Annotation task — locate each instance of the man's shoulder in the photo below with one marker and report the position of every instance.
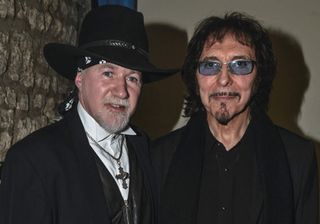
(293, 140)
(40, 139)
(162, 151)
(170, 139)
(165, 146)
(300, 150)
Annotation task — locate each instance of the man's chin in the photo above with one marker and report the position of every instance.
(223, 120)
(114, 123)
(115, 128)
(225, 117)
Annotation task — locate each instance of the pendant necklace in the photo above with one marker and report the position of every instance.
(122, 175)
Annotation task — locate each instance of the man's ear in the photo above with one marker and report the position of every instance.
(78, 80)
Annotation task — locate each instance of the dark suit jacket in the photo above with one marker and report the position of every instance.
(302, 165)
(51, 177)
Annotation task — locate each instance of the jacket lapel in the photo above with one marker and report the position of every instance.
(91, 182)
(257, 196)
(138, 143)
(274, 186)
(179, 203)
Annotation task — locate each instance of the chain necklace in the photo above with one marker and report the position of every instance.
(122, 175)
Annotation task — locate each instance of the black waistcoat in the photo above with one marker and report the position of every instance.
(137, 210)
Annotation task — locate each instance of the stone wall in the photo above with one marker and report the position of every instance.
(29, 90)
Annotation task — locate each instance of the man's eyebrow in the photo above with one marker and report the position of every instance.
(135, 71)
(212, 58)
(241, 57)
(112, 66)
(105, 66)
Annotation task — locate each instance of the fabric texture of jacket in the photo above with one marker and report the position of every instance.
(286, 185)
(51, 177)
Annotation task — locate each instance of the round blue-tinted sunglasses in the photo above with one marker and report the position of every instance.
(236, 67)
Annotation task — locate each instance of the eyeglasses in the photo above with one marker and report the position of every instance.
(236, 67)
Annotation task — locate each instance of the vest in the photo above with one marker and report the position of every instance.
(137, 209)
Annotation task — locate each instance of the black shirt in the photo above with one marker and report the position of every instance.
(227, 181)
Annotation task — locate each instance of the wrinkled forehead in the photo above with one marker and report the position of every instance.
(228, 47)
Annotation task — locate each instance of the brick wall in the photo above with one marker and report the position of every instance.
(29, 90)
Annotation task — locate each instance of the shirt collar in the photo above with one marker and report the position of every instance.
(94, 129)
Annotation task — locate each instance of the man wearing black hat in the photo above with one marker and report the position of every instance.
(90, 167)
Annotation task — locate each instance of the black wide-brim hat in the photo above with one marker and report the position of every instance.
(112, 33)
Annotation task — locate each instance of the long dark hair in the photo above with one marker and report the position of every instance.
(247, 31)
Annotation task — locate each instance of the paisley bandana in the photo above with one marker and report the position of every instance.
(86, 62)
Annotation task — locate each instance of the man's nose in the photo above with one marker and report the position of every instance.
(224, 77)
(120, 88)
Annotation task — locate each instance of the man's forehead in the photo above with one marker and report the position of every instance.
(110, 65)
(227, 45)
(241, 39)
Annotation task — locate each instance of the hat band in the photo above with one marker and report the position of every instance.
(115, 43)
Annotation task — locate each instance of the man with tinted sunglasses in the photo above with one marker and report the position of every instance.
(230, 163)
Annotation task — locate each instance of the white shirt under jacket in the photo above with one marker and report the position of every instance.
(106, 140)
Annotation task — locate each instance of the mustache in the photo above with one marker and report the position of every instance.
(117, 101)
(231, 94)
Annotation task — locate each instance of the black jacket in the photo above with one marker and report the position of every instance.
(286, 167)
(51, 177)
